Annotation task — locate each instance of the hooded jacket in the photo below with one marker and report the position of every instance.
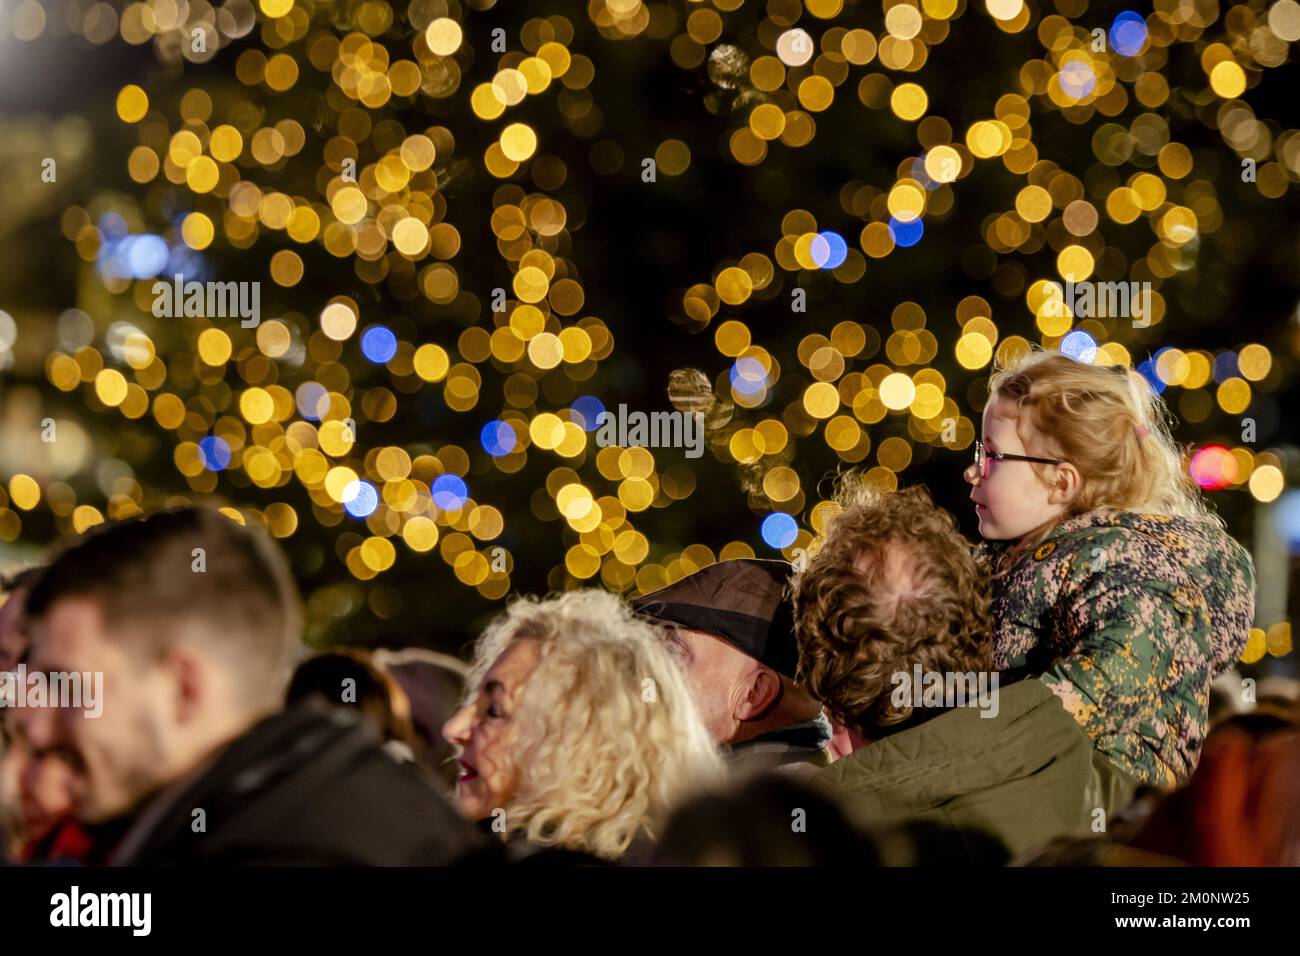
(1128, 618)
(1024, 776)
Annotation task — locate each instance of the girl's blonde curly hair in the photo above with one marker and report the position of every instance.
(1110, 424)
(606, 737)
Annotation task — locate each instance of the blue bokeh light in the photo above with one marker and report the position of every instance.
(906, 234)
(748, 376)
(309, 398)
(779, 530)
(133, 257)
(1080, 346)
(586, 410)
(378, 344)
(498, 438)
(187, 262)
(1286, 519)
(215, 453)
(360, 499)
(146, 255)
(1128, 33)
(1147, 370)
(113, 226)
(1225, 366)
(449, 492)
(829, 250)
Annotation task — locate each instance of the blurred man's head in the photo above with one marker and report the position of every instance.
(433, 684)
(349, 679)
(193, 621)
(13, 624)
(749, 825)
(894, 585)
(731, 626)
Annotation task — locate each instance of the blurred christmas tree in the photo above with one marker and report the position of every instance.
(470, 228)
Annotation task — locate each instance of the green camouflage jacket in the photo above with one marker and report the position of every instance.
(1127, 618)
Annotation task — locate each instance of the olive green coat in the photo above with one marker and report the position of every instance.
(1025, 776)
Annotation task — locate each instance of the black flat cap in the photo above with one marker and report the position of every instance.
(746, 602)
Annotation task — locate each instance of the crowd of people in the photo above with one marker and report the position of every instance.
(904, 697)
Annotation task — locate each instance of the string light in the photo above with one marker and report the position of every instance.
(365, 198)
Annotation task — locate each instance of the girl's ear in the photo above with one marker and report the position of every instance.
(1066, 484)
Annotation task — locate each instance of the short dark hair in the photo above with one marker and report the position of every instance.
(748, 825)
(142, 571)
(378, 695)
(9, 583)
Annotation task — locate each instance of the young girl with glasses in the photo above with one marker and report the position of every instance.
(1112, 581)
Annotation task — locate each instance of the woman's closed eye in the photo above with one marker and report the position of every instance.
(493, 694)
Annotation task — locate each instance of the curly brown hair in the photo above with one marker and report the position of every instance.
(893, 584)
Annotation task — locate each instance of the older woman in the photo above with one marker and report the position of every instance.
(579, 731)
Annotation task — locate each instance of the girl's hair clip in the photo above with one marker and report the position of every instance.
(1141, 431)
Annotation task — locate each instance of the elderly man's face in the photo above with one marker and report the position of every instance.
(718, 674)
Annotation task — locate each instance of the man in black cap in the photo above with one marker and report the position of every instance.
(733, 628)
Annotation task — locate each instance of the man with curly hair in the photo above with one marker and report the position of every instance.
(892, 619)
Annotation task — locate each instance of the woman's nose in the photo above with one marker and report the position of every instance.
(456, 730)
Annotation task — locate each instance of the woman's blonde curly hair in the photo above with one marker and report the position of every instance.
(1110, 424)
(606, 737)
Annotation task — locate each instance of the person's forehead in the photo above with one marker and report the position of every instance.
(515, 663)
(1000, 418)
(71, 625)
(1000, 410)
(703, 642)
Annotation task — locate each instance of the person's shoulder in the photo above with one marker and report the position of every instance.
(347, 798)
(1104, 538)
(1165, 546)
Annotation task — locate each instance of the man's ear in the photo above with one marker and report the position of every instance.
(1066, 484)
(189, 681)
(763, 688)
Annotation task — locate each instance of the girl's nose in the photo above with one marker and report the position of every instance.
(971, 474)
